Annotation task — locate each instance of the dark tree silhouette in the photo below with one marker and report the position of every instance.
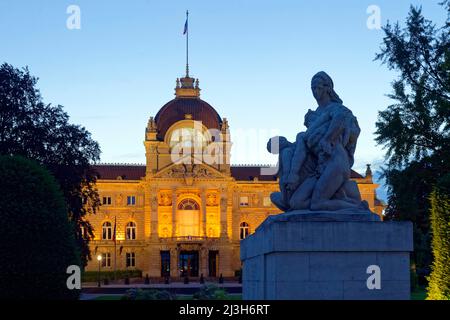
(37, 243)
(415, 130)
(42, 132)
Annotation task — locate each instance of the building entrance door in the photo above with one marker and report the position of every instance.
(189, 263)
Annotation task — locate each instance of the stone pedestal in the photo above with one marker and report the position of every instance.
(323, 255)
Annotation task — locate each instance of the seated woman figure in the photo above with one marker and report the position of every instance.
(315, 171)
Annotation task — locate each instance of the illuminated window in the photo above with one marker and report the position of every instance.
(106, 260)
(188, 204)
(130, 231)
(244, 230)
(106, 201)
(131, 200)
(131, 259)
(107, 231)
(243, 201)
(188, 218)
(187, 138)
(267, 202)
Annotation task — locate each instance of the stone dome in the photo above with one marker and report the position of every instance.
(186, 105)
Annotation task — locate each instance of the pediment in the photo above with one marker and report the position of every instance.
(190, 171)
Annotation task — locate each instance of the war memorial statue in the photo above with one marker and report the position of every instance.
(315, 171)
(327, 244)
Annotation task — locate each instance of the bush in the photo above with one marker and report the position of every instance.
(152, 294)
(92, 276)
(211, 292)
(439, 280)
(37, 243)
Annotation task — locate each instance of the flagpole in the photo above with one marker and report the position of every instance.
(187, 44)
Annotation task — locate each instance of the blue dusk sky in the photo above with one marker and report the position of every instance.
(254, 60)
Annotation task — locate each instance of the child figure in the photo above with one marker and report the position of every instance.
(286, 151)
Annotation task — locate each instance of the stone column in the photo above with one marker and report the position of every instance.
(154, 212)
(174, 263)
(147, 213)
(174, 213)
(223, 213)
(203, 261)
(203, 218)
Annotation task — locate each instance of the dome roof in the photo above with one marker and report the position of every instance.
(177, 109)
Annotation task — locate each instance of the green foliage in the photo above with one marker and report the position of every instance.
(37, 242)
(151, 294)
(439, 280)
(415, 130)
(92, 276)
(42, 132)
(211, 292)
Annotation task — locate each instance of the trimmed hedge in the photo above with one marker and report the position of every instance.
(37, 242)
(92, 276)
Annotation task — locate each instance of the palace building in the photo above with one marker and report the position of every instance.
(185, 211)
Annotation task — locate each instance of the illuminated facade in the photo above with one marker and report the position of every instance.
(186, 210)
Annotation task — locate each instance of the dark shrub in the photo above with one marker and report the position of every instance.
(210, 292)
(37, 243)
(153, 294)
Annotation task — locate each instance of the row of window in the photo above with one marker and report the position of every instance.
(130, 231)
(107, 201)
(109, 234)
(243, 202)
(130, 260)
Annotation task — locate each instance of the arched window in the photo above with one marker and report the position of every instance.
(188, 137)
(130, 231)
(244, 230)
(188, 204)
(107, 231)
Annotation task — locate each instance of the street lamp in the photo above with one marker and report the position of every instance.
(99, 258)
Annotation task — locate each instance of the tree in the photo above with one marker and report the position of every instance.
(37, 242)
(415, 130)
(42, 132)
(439, 280)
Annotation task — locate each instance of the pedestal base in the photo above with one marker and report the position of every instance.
(291, 257)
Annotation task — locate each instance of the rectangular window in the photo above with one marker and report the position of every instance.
(106, 201)
(243, 201)
(106, 260)
(131, 259)
(165, 264)
(131, 200)
(267, 202)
